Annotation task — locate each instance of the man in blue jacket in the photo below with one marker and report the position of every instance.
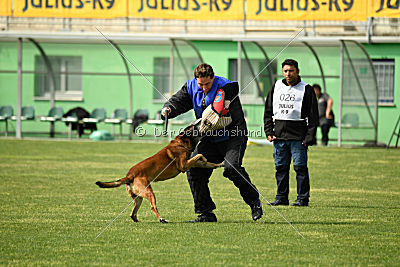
(227, 144)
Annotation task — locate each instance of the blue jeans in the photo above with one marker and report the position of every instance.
(283, 152)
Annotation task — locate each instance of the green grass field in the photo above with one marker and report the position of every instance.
(51, 210)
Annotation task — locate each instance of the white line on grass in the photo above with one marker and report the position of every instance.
(133, 200)
(266, 200)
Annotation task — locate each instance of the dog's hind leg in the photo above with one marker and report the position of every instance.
(137, 201)
(148, 193)
(136, 206)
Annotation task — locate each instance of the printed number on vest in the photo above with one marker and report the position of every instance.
(287, 97)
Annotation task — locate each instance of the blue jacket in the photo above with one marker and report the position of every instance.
(197, 94)
(190, 97)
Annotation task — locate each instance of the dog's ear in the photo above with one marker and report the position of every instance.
(170, 155)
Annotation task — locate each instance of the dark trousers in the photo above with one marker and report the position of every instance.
(325, 133)
(232, 151)
(282, 180)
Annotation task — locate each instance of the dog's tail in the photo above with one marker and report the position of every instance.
(117, 183)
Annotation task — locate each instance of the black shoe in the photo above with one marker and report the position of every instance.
(205, 217)
(256, 210)
(279, 202)
(300, 203)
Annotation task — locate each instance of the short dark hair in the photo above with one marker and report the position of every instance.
(203, 70)
(316, 85)
(290, 62)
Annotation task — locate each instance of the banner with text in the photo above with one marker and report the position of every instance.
(102, 9)
(352, 10)
(187, 9)
(384, 8)
(5, 7)
(307, 10)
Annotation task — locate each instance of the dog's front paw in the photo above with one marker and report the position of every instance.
(203, 159)
(219, 165)
(163, 220)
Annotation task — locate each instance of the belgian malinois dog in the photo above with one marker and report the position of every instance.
(166, 164)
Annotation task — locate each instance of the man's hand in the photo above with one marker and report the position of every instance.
(328, 109)
(271, 138)
(328, 116)
(165, 110)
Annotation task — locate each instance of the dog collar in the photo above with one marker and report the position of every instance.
(183, 145)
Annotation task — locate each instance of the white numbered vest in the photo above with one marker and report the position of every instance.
(287, 101)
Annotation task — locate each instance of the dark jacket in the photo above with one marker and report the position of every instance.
(80, 113)
(293, 130)
(322, 106)
(181, 102)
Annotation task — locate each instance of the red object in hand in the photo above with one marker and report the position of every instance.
(218, 104)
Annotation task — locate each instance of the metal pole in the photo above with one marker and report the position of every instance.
(319, 64)
(52, 80)
(190, 43)
(370, 29)
(171, 70)
(376, 87)
(239, 63)
(360, 84)
(246, 57)
(244, 16)
(394, 133)
(313, 28)
(185, 27)
(128, 74)
(267, 62)
(340, 95)
(188, 75)
(19, 94)
(127, 24)
(171, 76)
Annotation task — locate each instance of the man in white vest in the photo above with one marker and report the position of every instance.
(290, 122)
